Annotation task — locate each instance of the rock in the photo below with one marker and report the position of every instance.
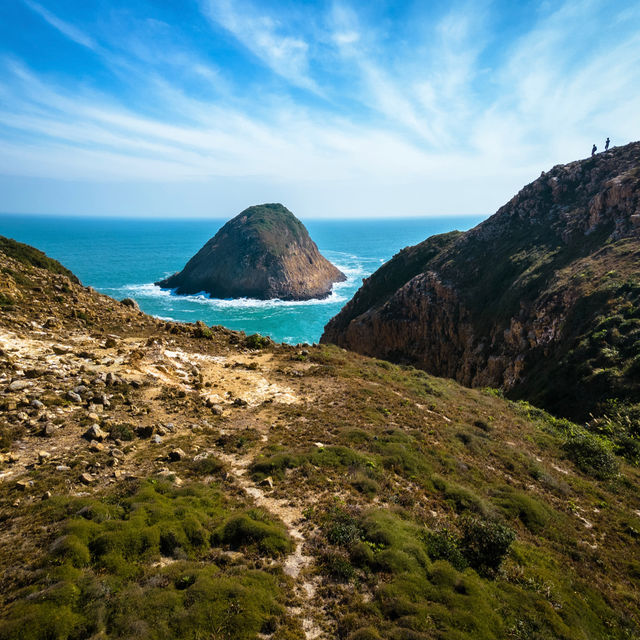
(74, 397)
(86, 478)
(19, 385)
(94, 432)
(176, 455)
(93, 417)
(48, 430)
(36, 404)
(24, 484)
(110, 343)
(129, 302)
(265, 252)
(117, 453)
(267, 482)
(60, 350)
(43, 456)
(239, 402)
(63, 467)
(157, 439)
(47, 495)
(96, 447)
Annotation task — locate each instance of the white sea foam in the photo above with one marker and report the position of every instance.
(152, 291)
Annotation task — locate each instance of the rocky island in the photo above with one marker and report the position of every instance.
(541, 300)
(265, 252)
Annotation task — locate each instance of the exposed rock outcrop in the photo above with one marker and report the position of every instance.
(541, 299)
(265, 252)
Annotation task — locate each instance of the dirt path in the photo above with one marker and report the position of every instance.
(296, 564)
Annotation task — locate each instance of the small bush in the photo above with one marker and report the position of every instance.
(202, 331)
(207, 466)
(531, 512)
(254, 529)
(256, 341)
(592, 455)
(485, 543)
(445, 545)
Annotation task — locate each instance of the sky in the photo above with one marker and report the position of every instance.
(200, 108)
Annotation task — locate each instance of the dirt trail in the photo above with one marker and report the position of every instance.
(296, 564)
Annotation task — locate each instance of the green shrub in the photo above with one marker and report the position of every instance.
(592, 454)
(445, 545)
(485, 543)
(202, 331)
(207, 466)
(254, 529)
(275, 465)
(365, 633)
(531, 512)
(256, 341)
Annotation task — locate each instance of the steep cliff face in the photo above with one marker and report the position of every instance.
(541, 299)
(264, 252)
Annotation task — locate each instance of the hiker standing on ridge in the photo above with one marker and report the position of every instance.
(606, 144)
(593, 150)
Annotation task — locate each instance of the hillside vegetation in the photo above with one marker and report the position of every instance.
(163, 480)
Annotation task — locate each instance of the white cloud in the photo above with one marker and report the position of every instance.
(63, 27)
(283, 53)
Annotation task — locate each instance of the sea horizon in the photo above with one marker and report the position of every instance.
(123, 257)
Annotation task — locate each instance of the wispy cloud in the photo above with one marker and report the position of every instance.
(266, 37)
(63, 27)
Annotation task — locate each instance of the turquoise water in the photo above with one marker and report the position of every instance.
(123, 257)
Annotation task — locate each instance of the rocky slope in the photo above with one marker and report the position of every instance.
(171, 481)
(541, 300)
(265, 252)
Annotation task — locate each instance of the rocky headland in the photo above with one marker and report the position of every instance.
(265, 252)
(541, 300)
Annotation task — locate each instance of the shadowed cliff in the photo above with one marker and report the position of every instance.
(541, 299)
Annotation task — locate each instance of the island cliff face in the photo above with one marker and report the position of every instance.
(541, 300)
(264, 252)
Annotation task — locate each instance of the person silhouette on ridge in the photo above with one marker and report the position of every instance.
(593, 150)
(606, 144)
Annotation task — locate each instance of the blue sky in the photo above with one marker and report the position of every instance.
(203, 107)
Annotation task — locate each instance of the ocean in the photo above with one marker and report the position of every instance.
(123, 257)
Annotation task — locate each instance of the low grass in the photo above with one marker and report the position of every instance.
(103, 575)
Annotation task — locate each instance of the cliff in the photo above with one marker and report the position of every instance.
(264, 252)
(541, 300)
(178, 481)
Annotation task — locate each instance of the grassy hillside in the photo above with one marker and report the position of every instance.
(163, 480)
